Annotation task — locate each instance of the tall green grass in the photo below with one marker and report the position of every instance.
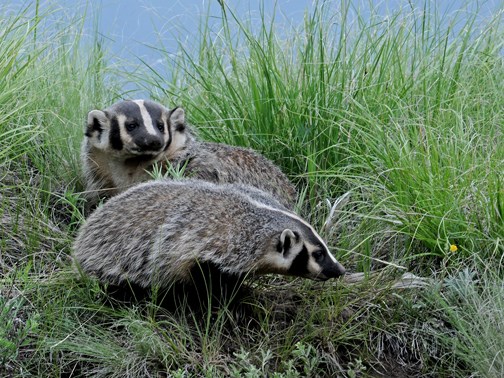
(49, 78)
(403, 111)
(14, 70)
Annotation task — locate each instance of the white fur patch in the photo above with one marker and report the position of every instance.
(313, 267)
(278, 261)
(125, 137)
(146, 117)
(178, 142)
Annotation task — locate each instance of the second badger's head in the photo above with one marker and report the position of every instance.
(132, 128)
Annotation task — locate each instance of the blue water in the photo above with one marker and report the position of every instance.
(133, 27)
(129, 27)
(133, 30)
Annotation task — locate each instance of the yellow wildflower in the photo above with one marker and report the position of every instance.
(453, 248)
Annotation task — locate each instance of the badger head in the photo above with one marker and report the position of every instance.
(307, 256)
(130, 128)
(299, 251)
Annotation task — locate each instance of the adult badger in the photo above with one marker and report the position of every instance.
(124, 141)
(161, 232)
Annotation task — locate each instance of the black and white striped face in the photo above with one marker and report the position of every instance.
(309, 256)
(300, 251)
(130, 128)
(304, 254)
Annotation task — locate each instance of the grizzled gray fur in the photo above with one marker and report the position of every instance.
(221, 163)
(156, 232)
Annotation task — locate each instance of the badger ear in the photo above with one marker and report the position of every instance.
(97, 121)
(287, 239)
(176, 119)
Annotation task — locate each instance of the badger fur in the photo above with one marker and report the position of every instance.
(158, 232)
(221, 163)
(123, 142)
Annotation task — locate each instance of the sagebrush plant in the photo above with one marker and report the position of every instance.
(389, 124)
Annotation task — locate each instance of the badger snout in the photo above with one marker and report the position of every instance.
(334, 270)
(149, 144)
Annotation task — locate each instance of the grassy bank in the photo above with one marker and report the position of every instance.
(403, 112)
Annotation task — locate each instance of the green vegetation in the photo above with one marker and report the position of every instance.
(403, 112)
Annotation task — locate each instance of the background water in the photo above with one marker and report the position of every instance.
(132, 26)
(133, 31)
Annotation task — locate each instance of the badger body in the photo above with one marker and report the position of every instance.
(116, 156)
(157, 232)
(222, 164)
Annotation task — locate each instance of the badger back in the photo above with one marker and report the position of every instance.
(158, 231)
(230, 164)
(221, 163)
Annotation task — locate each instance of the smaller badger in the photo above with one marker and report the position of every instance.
(159, 232)
(124, 141)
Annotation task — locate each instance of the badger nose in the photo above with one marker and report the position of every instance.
(149, 144)
(334, 271)
(342, 269)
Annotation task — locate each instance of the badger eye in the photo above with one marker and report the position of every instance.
(160, 126)
(318, 255)
(131, 126)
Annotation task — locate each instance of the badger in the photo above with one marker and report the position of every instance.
(123, 142)
(120, 143)
(159, 232)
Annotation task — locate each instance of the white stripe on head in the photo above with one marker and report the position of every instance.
(299, 219)
(147, 120)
